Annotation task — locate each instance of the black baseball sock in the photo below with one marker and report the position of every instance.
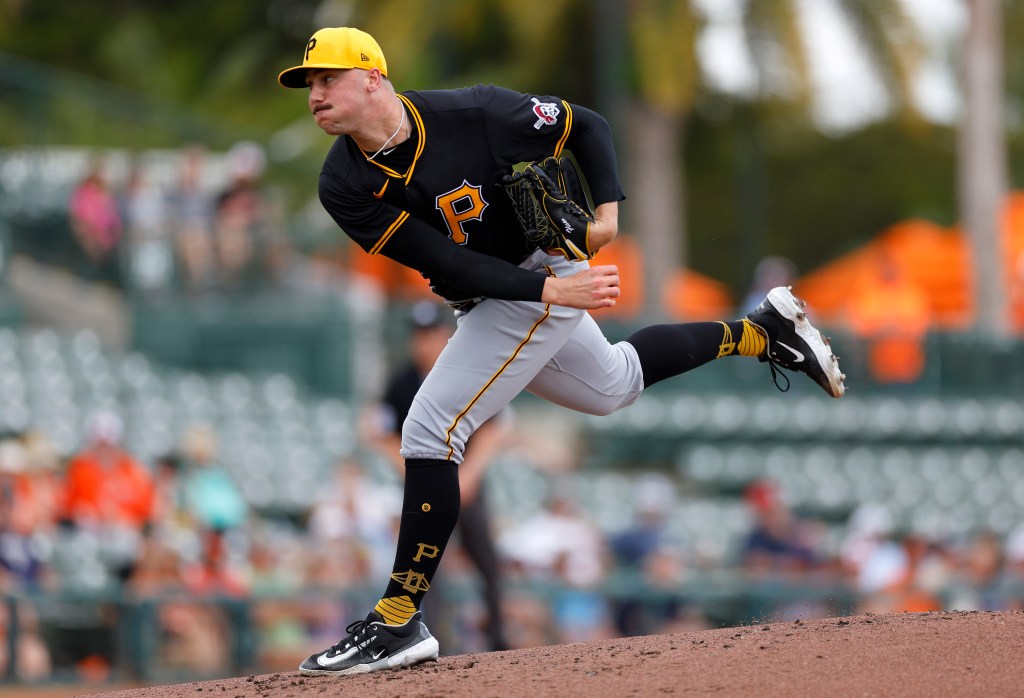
(668, 350)
(430, 511)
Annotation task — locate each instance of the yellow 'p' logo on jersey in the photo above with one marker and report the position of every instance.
(464, 203)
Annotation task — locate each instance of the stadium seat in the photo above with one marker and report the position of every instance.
(967, 418)
(928, 419)
(727, 414)
(1010, 465)
(1005, 419)
(934, 465)
(849, 417)
(687, 414)
(769, 417)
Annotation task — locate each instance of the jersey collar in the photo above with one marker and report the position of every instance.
(421, 139)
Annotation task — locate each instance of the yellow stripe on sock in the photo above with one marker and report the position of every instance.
(753, 342)
(727, 347)
(396, 610)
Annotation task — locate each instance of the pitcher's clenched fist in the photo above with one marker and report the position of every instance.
(596, 287)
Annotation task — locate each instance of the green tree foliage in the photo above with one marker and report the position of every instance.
(142, 73)
(813, 196)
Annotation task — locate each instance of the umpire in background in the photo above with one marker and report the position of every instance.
(430, 328)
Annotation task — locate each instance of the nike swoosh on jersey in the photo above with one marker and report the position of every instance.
(324, 660)
(799, 357)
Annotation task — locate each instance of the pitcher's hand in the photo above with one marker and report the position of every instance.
(596, 287)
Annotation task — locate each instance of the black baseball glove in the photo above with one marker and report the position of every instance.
(551, 205)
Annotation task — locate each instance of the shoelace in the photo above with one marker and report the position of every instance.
(777, 371)
(354, 629)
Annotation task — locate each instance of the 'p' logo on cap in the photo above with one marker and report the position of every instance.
(340, 48)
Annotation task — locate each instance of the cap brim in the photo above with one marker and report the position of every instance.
(293, 77)
(296, 77)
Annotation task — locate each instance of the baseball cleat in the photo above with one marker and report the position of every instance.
(794, 344)
(372, 645)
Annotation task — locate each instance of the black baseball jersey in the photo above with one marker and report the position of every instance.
(446, 178)
(398, 397)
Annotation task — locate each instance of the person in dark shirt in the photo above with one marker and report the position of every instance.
(429, 333)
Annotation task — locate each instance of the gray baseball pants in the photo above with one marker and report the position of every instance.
(501, 348)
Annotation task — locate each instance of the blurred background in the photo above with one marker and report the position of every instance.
(192, 354)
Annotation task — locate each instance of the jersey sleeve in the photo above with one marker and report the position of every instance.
(590, 141)
(524, 127)
(456, 272)
(368, 220)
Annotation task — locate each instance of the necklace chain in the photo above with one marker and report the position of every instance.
(400, 125)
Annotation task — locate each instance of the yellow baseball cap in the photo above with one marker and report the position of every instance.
(336, 47)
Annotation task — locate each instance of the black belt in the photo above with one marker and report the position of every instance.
(463, 306)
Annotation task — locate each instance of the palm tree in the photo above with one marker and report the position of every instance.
(663, 36)
(982, 154)
(663, 39)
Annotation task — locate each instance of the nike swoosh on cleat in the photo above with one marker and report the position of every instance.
(381, 653)
(325, 661)
(799, 357)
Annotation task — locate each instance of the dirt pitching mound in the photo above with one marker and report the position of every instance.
(911, 654)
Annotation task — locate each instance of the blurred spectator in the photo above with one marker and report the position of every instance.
(169, 505)
(157, 572)
(892, 314)
(358, 515)
(143, 206)
(96, 222)
(276, 586)
(644, 548)
(103, 482)
(867, 530)
(240, 224)
(212, 497)
(43, 466)
(779, 543)
(25, 520)
(781, 548)
(108, 493)
(190, 210)
(216, 572)
(887, 571)
(979, 583)
(770, 272)
(33, 657)
(173, 523)
(148, 256)
(528, 620)
(190, 633)
(895, 584)
(557, 545)
(1015, 557)
(653, 501)
(213, 584)
(194, 631)
(429, 331)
